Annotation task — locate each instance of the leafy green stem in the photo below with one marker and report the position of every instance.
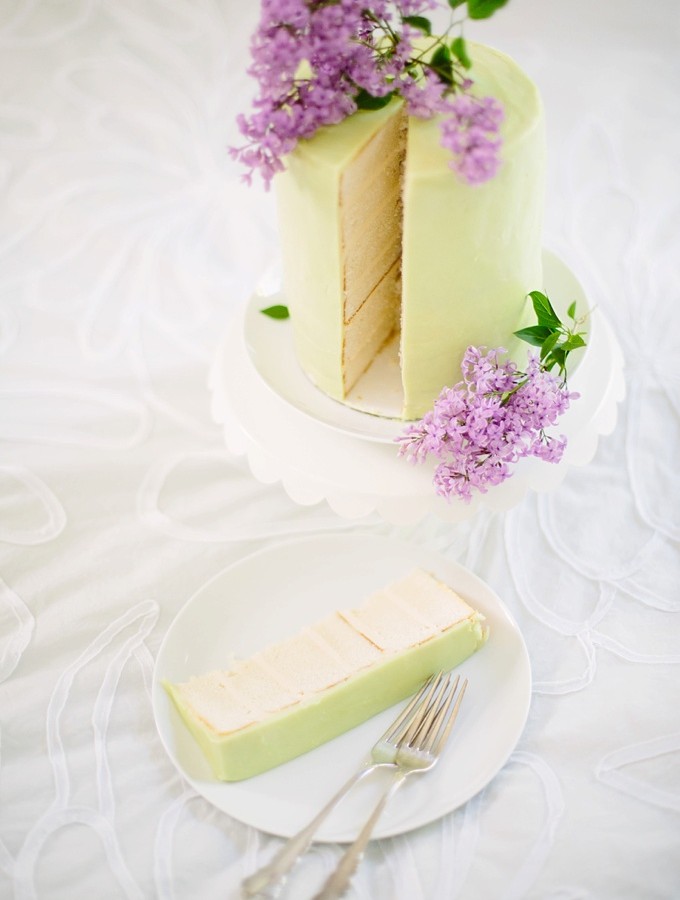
(554, 339)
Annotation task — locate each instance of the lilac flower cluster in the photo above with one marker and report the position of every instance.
(313, 59)
(487, 422)
(471, 134)
(470, 125)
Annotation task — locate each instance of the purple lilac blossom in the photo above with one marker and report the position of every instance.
(486, 423)
(471, 133)
(311, 58)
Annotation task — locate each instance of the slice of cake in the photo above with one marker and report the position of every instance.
(295, 695)
(379, 237)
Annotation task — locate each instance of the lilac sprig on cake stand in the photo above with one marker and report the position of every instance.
(498, 414)
(317, 62)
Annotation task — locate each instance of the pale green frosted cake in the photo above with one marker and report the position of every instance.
(295, 695)
(379, 235)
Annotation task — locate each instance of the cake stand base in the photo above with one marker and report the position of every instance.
(358, 475)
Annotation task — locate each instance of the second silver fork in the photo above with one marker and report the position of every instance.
(419, 750)
(383, 754)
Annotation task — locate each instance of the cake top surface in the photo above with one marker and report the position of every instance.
(497, 75)
(494, 73)
(337, 145)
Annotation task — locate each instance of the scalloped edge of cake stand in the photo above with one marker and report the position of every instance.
(358, 478)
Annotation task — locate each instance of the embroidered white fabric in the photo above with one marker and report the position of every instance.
(126, 242)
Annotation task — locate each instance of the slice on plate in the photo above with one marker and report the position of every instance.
(297, 694)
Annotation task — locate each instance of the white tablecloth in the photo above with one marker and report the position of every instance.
(126, 241)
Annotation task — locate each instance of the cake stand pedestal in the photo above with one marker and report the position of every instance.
(357, 475)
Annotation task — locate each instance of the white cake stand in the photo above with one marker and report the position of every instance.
(319, 450)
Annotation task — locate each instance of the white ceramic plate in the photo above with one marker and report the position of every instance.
(273, 594)
(378, 395)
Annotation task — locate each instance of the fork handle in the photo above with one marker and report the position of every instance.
(273, 874)
(338, 881)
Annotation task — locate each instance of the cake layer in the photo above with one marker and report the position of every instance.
(371, 326)
(370, 213)
(295, 695)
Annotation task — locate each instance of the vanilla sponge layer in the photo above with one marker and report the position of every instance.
(296, 695)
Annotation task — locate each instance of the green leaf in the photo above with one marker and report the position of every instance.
(573, 342)
(276, 312)
(419, 22)
(545, 314)
(441, 56)
(556, 340)
(534, 334)
(549, 343)
(364, 100)
(459, 50)
(558, 357)
(441, 63)
(483, 9)
(454, 4)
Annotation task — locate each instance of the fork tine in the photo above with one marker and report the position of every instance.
(429, 707)
(422, 737)
(445, 720)
(405, 716)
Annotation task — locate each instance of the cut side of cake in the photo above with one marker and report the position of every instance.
(381, 239)
(371, 230)
(339, 205)
(297, 694)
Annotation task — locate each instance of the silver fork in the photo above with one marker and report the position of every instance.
(383, 755)
(418, 751)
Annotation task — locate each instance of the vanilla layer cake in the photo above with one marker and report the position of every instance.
(379, 235)
(297, 694)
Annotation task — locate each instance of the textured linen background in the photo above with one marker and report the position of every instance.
(126, 240)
